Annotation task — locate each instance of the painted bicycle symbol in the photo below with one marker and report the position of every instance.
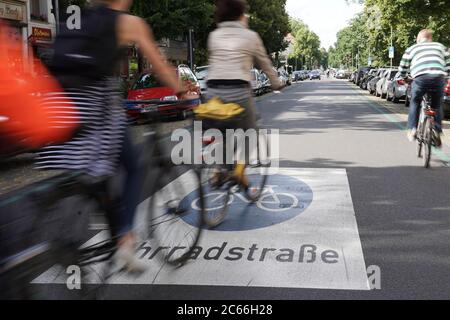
(270, 200)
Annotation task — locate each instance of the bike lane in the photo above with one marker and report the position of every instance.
(301, 234)
(372, 205)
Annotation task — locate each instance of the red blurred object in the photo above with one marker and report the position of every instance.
(447, 88)
(24, 119)
(430, 113)
(401, 82)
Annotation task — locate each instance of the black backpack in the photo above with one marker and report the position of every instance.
(88, 53)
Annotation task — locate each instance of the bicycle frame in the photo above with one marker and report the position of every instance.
(427, 113)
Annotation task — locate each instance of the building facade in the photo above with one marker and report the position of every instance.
(31, 22)
(41, 29)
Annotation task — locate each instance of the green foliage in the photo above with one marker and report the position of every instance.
(324, 58)
(371, 30)
(306, 46)
(173, 18)
(352, 44)
(270, 19)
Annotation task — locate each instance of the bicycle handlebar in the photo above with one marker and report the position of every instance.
(152, 107)
(160, 103)
(409, 80)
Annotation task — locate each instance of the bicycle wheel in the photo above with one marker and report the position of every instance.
(419, 140)
(257, 172)
(174, 222)
(427, 143)
(217, 194)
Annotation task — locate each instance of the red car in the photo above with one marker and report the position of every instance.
(447, 99)
(147, 87)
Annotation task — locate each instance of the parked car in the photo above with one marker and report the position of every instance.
(353, 76)
(265, 83)
(148, 87)
(369, 76)
(285, 75)
(282, 78)
(382, 84)
(446, 101)
(396, 89)
(257, 84)
(305, 74)
(314, 75)
(342, 74)
(361, 73)
(202, 73)
(297, 76)
(372, 84)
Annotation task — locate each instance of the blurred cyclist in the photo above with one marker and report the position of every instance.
(233, 50)
(429, 64)
(85, 63)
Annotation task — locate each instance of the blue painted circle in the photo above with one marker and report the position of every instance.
(285, 198)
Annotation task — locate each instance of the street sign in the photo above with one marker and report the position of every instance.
(301, 234)
(391, 52)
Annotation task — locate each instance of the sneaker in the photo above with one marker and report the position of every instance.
(125, 258)
(438, 140)
(412, 135)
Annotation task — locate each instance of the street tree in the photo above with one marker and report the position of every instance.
(306, 45)
(271, 21)
(391, 22)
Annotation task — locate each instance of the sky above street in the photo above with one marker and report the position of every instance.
(324, 17)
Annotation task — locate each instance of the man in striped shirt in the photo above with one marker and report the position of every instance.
(428, 63)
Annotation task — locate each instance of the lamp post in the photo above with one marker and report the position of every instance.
(191, 48)
(55, 4)
(391, 50)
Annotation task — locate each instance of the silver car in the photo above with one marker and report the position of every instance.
(382, 84)
(202, 73)
(372, 84)
(396, 90)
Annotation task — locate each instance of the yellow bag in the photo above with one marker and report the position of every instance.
(215, 109)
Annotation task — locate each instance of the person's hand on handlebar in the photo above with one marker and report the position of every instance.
(185, 94)
(189, 96)
(408, 79)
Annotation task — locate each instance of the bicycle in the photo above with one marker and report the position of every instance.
(221, 182)
(426, 132)
(270, 200)
(39, 239)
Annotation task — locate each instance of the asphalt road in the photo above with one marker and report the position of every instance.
(402, 210)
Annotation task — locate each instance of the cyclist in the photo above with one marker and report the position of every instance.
(428, 63)
(233, 50)
(88, 79)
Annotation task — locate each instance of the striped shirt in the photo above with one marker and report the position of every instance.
(96, 150)
(426, 58)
